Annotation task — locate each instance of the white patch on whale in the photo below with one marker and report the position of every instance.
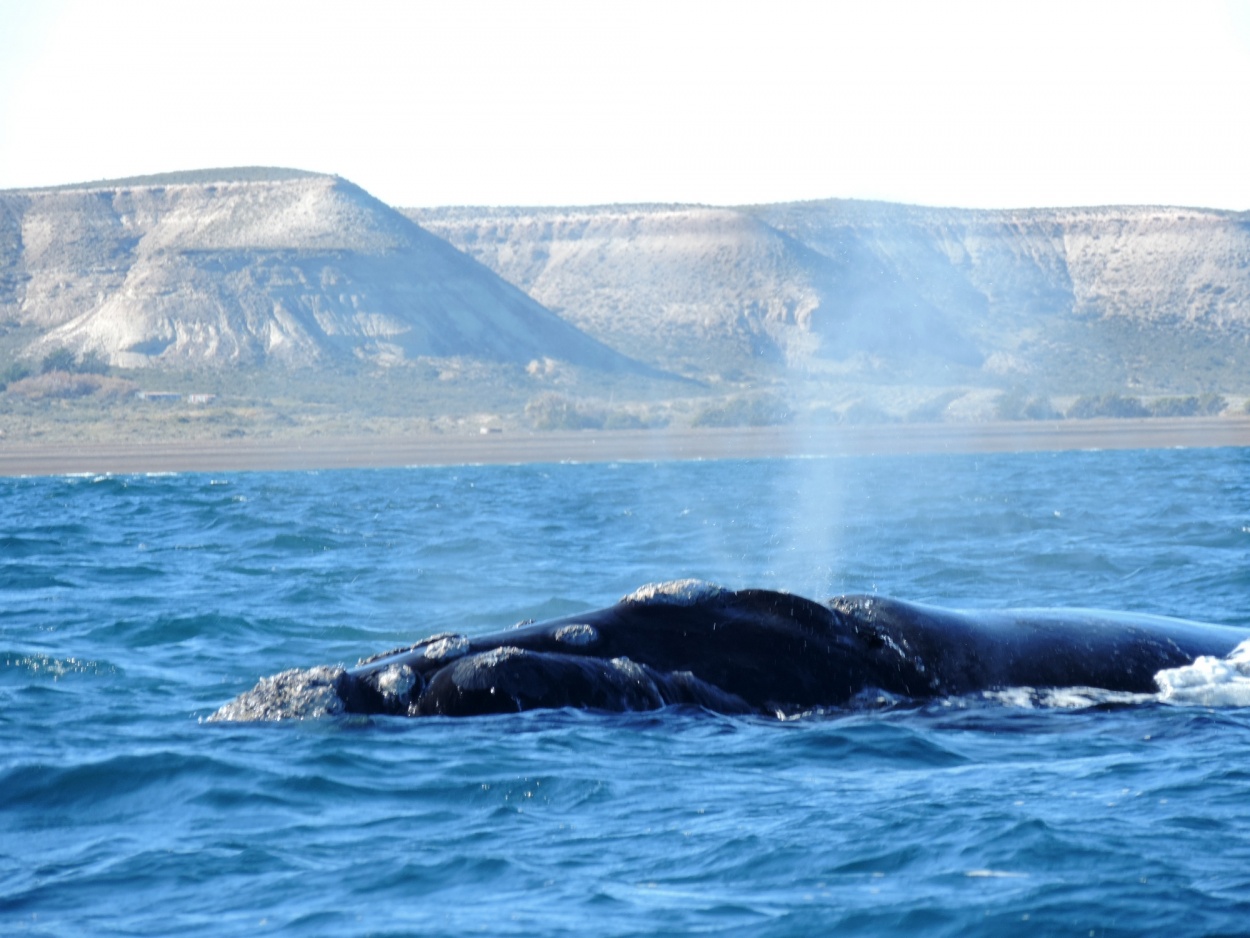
(447, 647)
(674, 593)
(577, 634)
(297, 694)
(475, 672)
(396, 681)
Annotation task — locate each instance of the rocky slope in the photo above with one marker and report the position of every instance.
(253, 266)
(701, 289)
(1012, 277)
(1067, 299)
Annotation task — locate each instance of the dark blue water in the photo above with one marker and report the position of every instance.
(131, 607)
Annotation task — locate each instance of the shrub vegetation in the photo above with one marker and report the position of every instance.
(1205, 405)
(1017, 404)
(761, 410)
(553, 411)
(1107, 405)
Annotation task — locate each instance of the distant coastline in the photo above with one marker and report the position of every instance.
(267, 303)
(241, 455)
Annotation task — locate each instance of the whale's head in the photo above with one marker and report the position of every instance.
(683, 642)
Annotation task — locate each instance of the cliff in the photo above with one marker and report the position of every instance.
(1066, 299)
(252, 266)
(244, 267)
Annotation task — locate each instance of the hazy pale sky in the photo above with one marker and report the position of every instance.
(995, 104)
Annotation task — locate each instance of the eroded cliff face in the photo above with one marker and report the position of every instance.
(237, 267)
(293, 268)
(1145, 263)
(1035, 295)
(698, 289)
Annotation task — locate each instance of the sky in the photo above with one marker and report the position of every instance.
(957, 103)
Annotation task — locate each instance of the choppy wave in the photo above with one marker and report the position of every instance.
(133, 607)
(1209, 681)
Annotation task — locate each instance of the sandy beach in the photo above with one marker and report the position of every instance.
(19, 459)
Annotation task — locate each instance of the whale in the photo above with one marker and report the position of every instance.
(750, 651)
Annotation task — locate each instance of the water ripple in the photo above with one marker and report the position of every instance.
(134, 605)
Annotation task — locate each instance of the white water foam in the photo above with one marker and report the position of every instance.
(1063, 698)
(1209, 681)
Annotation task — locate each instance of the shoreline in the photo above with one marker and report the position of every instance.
(244, 455)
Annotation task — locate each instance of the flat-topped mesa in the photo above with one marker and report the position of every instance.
(692, 287)
(253, 265)
(222, 267)
(861, 288)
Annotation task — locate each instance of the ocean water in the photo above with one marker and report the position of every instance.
(131, 607)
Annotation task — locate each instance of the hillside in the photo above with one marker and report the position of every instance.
(253, 267)
(702, 290)
(1063, 300)
(1149, 297)
(296, 303)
